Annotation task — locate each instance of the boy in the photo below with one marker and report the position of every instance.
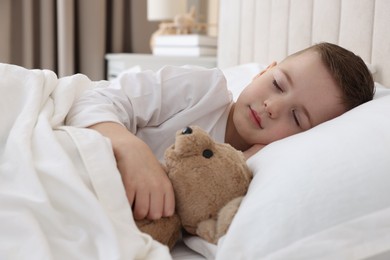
(140, 113)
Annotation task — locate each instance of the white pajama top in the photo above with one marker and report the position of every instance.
(154, 106)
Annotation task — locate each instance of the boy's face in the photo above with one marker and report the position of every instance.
(286, 99)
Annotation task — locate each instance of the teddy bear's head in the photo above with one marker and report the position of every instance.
(205, 175)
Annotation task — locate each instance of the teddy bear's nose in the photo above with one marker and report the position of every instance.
(187, 131)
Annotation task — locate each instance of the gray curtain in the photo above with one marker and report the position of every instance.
(66, 36)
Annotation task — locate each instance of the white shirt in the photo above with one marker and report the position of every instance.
(154, 106)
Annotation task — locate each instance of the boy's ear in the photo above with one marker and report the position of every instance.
(273, 64)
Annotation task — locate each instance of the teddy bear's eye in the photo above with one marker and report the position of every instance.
(207, 153)
(186, 131)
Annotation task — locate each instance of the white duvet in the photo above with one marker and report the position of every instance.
(61, 196)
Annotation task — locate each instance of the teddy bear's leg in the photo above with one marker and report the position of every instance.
(207, 230)
(165, 230)
(226, 215)
(211, 230)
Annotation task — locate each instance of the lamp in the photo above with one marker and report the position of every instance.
(165, 10)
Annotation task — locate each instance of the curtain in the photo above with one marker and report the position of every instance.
(66, 36)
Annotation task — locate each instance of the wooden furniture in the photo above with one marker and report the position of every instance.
(116, 63)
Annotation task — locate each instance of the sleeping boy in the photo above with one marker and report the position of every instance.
(141, 112)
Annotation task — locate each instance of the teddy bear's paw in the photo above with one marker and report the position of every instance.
(226, 215)
(165, 230)
(206, 230)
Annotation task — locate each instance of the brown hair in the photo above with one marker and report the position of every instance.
(349, 71)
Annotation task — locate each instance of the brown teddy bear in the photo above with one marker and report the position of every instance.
(209, 180)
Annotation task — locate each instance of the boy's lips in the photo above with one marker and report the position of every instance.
(256, 119)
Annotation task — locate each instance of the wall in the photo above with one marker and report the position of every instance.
(141, 28)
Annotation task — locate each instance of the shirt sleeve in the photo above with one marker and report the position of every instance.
(146, 98)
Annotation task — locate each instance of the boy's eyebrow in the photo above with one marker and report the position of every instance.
(290, 82)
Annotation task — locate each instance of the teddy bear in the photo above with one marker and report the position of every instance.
(209, 181)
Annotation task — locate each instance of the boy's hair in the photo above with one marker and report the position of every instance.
(349, 71)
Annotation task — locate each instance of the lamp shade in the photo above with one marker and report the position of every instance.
(161, 10)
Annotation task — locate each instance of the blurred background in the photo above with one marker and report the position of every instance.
(74, 36)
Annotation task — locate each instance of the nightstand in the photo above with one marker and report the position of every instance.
(118, 62)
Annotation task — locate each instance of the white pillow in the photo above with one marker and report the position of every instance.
(322, 194)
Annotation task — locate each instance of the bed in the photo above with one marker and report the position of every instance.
(322, 194)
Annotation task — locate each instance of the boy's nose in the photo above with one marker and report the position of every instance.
(271, 108)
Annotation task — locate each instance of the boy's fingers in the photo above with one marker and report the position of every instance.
(141, 204)
(156, 205)
(169, 203)
(130, 197)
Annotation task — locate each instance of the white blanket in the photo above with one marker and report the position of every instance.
(61, 196)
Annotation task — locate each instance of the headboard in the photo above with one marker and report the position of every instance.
(266, 30)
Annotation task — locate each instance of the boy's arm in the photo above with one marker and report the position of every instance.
(147, 186)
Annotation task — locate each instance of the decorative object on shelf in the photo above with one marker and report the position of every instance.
(186, 40)
(175, 19)
(185, 45)
(185, 51)
(185, 23)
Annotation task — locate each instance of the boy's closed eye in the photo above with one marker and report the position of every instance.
(277, 86)
(294, 112)
(296, 119)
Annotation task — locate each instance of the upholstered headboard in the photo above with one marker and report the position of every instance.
(266, 30)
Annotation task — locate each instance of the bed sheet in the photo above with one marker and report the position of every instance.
(182, 252)
(61, 195)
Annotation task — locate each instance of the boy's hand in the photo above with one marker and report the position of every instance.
(148, 188)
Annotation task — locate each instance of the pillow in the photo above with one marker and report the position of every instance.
(316, 194)
(321, 194)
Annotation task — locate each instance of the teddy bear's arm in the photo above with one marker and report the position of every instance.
(211, 230)
(207, 230)
(166, 230)
(226, 215)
